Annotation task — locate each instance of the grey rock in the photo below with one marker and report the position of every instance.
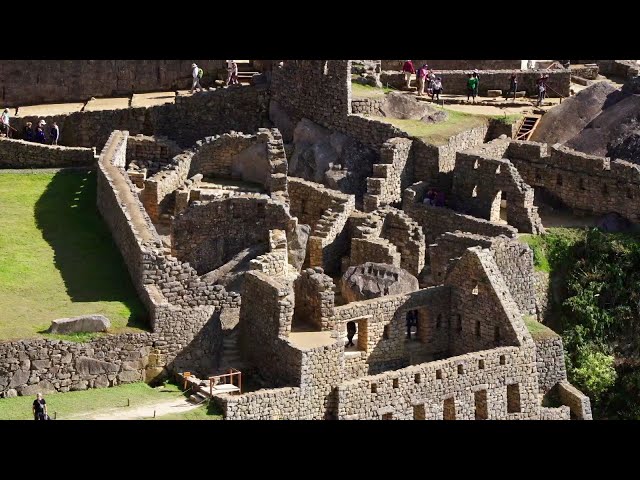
(129, 376)
(281, 120)
(403, 106)
(42, 387)
(11, 393)
(297, 244)
(91, 366)
(101, 381)
(20, 377)
(84, 323)
(80, 385)
(372, 280)
(252, 164)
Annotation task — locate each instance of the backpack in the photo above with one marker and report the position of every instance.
(200, 73)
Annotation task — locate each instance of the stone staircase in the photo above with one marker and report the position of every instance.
(230, 357)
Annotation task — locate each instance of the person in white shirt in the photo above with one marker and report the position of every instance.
(196, 78)
(232, 72)
(4, 119)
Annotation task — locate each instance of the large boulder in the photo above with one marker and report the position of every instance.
(403, 106)
(297, 245)
(281, 120)
(231, 274)
(252, 164)
(84, 323)
(373, 280)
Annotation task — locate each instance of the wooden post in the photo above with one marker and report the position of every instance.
(128, 402)
(240, 382)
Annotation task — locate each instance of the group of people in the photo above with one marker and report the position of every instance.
(541, 83)
(28, 133)
(434, 197)
(197, 73)
(426, 79)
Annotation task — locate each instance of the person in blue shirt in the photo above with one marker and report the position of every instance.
(40, 136)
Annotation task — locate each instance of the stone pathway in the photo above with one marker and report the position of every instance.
(140, 413)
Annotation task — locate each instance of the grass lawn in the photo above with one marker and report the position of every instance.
(359, 90)
(70, 404)
(537, 329)
(57, 257)
(438, 133)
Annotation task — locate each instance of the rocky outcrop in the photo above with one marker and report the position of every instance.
(297, 245)
(372, 280)
(84, 323)
(400, 105)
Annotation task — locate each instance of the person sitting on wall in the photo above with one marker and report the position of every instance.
(430, 197)
(351, 332)
(40, 137)
(27, 132)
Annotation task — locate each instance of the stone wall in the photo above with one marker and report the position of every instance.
(22, 154)
(407, 236)
(391, 176)
(214, 155)
(266, 404)
(190, 119)
(549, 358)
(480, 184)
(163, 184)
(367, 106)
(577, 179)
(146, 150)
(208, 234)
(327, 212)
(454, 82)
(315, 299)
(438, 220)
(274, 262)
(578, 402)
(619, 68)
(455, 64)
(31, 82)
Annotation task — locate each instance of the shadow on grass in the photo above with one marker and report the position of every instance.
(85, 254)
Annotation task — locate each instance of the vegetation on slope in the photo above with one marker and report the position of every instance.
(594, 295)
(57, 257)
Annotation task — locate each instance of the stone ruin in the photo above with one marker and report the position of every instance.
(229, 247)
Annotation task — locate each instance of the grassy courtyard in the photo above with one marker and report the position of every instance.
(57, 257)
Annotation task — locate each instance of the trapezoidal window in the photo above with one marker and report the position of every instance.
(439, 320)
(459, 323)
(605, 190)
(460, 369)
(474, 192)
(374, 388)
(482, 411)
(496, 334)
(325, 68)
(387, 416)
(396, 383)
(449, 409)
(513, 398)
(478, 328)
(538, 175)
(480, 364)
(559, 180)
(581, 184)
(416, 378)
(503, 360)
(476, 164)
(385, 332)
(418, 412)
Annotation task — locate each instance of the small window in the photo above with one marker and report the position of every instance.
(498, 170)
(439, 320)
(438, 374)
(396, 383)
(449, 409)
(513, 398)
(374, 388)
(538, 175)
(416, 378)
(503, 360)
(460, 369)
(481, 410)
(605, 190)
(480, 364)
(418, 412)
(385, 332)
(325, 68)
(474, 193)
(581, 184)
(478, 328)
(459, 323)
(496, 334)
(387, 416)
(475, 290)
(476, 164)
(559, 180)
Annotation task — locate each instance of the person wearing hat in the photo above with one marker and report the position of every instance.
(408, 69)
(40, 136)
(477, 77)
(422, 78)
(4, 120)
(196, 78)
(27, 132)
(542, 87)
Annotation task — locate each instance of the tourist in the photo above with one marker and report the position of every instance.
(408, 70)
(477, 77)
(195, 73)
(40, 137)
(430, 197)
(4, 120)
(232, 72)
(55, 133)
(437, 89)
(431, 78)
(27, 132)
(422, 77)
(542, 87)
(513, 85)
(412, 321)
(440, 199)
(351, 331)
(40, 408)
(472, 82)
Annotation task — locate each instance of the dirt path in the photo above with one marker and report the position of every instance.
(139, 413)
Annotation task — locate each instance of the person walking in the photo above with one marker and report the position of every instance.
(542, 87)
(437, 89)
(195, 73)
(477, 77)
(4, 119)
(232, 72)
(54, 133)
(39, 408)
(40, 137)
(422, 78)
(351, 331)
(472, 83)
(408, 69)
(27, 132)
(513, 85)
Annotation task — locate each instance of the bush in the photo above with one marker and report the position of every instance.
(592, 371)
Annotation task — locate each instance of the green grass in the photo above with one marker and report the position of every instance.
(540, 244)
(204, 412)
(537, 329)
(439, 133)
(57, 258)
(359, 90)
(72, 404)
(507, 119)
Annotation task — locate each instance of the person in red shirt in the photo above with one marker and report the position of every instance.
(408, 70)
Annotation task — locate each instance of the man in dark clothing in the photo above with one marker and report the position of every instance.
(39, 408)
(40, 136)
(55, 133)
(513, 85)
(27, 132)
(351, 331)
(412, 321)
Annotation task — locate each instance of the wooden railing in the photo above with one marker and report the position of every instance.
(225, 379)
